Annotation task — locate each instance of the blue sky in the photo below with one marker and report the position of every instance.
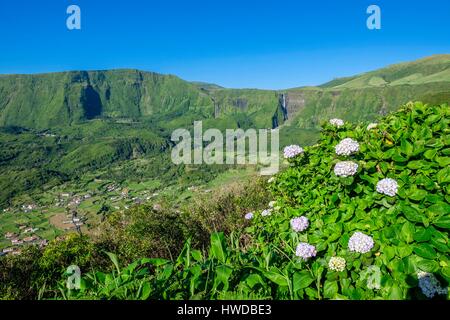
(246, 43)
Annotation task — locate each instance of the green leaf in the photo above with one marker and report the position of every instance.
(406, 147)
(417, 194)
(330, 289)
(411, 213)
(276, 277)
(114, 260)
(395, 293)
(422, 235)
(254, 279)
(222, 275)
(155, 261)
(146, 290)
(197, 255)
(443, 222)
(425, 251)
(443, 161)
(408, 231)
(427, 265)
(404, 251)
(446, 272)
(443, 176)
(218, 247)
(302, 280)
(439, 209)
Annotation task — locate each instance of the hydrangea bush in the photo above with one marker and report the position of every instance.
(378, 228)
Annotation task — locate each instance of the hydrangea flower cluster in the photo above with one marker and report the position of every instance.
(359, 242)
(337, 122)
(429, 285)
(299, 224)
(388, 187)
(345, 168)
(249, 216)
(292, 151)
(266, 212)
(372, 126)
(337, 264)
(305, 251)
(347, 147)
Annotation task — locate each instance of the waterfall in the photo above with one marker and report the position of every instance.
(283, 104)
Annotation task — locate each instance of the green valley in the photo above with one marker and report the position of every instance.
(106, 134)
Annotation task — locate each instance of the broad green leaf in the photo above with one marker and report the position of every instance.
(218, 247)
(276, 277)
(301, 280)
(408, 231)
(330, 289)
(443, 222)
(425, 251)
(427, 265)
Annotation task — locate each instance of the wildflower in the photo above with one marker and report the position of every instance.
(429, 285)
(345, 168)
(337, 122)
(388, 187)
(305, 251)
(337, 264)
(372, 126)
(347, 147)
(271, 204)
(266, 212)
(299, 224)
(272, 179)
(249, 216)
(359, 242)
(292, 151)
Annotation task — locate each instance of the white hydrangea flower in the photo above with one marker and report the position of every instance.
(345, 168)
(249, 216)
(347, 147)
(429, 285)
(372, 126)
(337, 264)
(305, 251)
(266, 212)
(337, 122)
(359, 242)
(292, 151)
(388, 187)
(299, 224)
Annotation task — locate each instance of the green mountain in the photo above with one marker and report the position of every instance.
(45, 101)
(56, 127)
(366, 96)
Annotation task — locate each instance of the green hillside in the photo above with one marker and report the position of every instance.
(367, 96)
(58, 127)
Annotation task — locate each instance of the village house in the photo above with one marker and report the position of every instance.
(10, 235)
(16, 242)
(31, 239)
